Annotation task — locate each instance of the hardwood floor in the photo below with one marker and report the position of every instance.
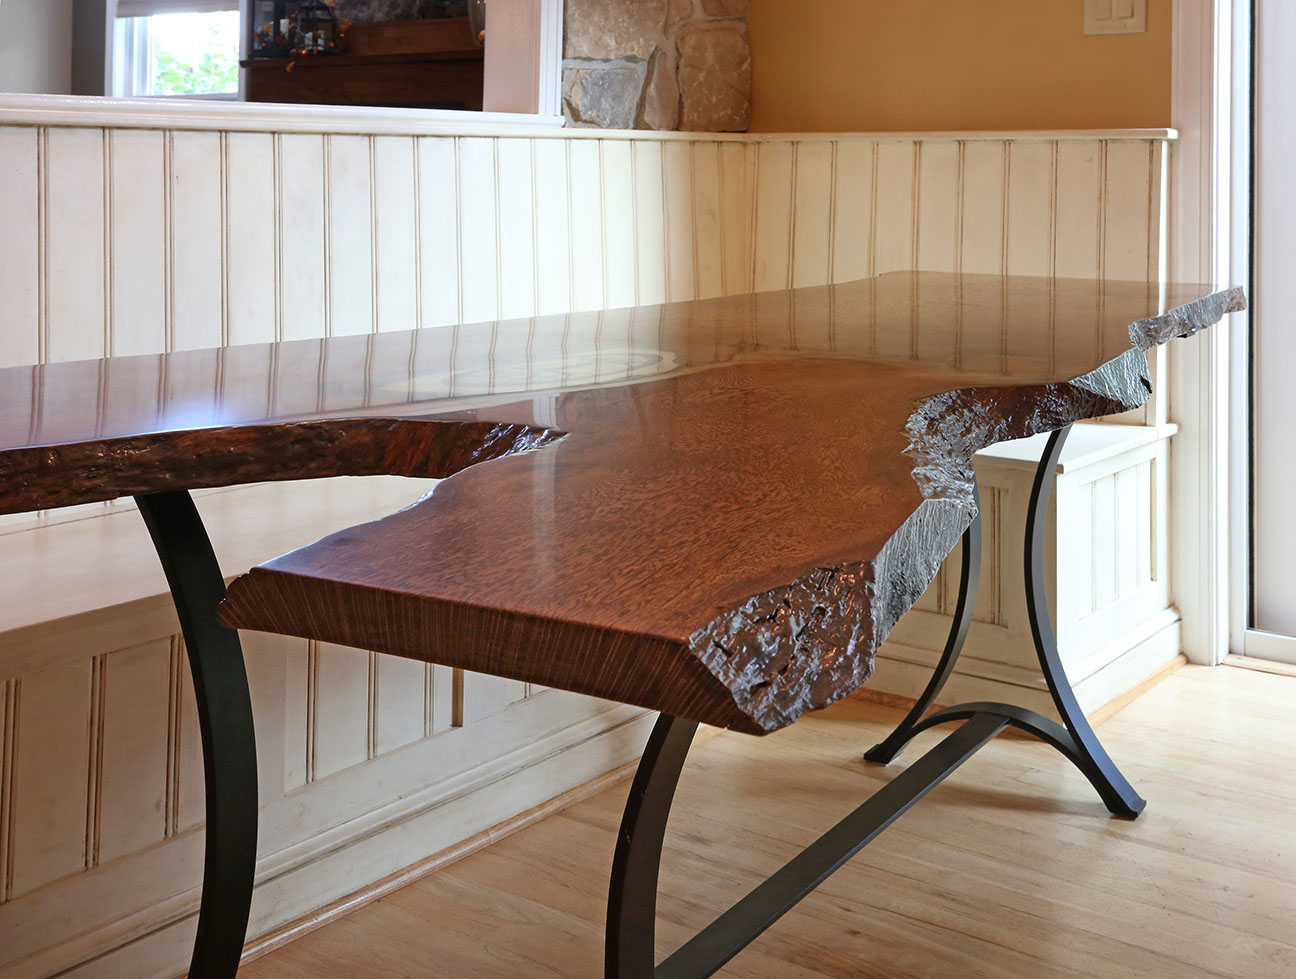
(1012, 868)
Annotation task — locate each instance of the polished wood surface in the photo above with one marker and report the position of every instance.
(1007, 871)
(717, 508)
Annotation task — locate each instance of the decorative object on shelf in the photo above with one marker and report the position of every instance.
(477, 20)
(269, 29)
(314, 29)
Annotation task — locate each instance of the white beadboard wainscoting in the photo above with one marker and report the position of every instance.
(145, 237)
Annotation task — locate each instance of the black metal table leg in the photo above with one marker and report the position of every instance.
(632, 898)
(225, 719)
(1075, 737)
(1097, 765)
(969, 577)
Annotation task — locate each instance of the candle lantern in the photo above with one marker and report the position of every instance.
(314, 29)
(269, 26)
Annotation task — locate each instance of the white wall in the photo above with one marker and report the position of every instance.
(36, 46)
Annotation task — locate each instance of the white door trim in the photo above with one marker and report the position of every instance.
(1200, 220)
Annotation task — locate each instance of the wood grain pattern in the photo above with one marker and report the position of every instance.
(727, 531)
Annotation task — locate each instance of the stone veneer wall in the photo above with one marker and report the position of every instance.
(657, 64)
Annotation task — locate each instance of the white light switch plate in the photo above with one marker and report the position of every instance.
(1115, 16)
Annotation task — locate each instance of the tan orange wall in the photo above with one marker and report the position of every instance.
(888, 65)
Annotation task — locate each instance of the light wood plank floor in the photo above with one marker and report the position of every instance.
(1011, 868)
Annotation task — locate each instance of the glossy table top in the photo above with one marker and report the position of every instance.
(716, 508)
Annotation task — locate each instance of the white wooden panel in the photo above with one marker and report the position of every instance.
(709, 245)
(1130, 217)
(553, 226)
(1079, 208)
(438, 214)
(893, 245)
(399, 703)
(396, 246)
(773, 232)
(939, 203)
(197, 226)
(190, 799)
(1030, 208)
(517, 278)
(649, 218)
(736, 166)
(619, 270)
(478, 230)
(340, 697)
(133, 753)
(586, 225)
(1145, 534)
(812, 236)
(485, 696)
(985, 180)
(853, 211)
(75, 274)
(50, 790)
(20, 318)
(298, 672)
(439, 715)
(1128, 505)
(301, 244)
(349, 220)
(681, 242)
(1106, 545)
(137, 238)
(251, 237)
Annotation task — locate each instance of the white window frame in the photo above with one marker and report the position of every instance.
(1245, 639)
(134, 28)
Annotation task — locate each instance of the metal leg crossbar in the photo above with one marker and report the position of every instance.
(632, 896)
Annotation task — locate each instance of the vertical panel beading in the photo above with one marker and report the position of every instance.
(303, 253)
(197, 242)
(517, 231)
(395, 199)
(440, 283)
(650, 222)
(553, 226)
(812, 214)
(138, 258)
(75, 280)
(852, 210)
(478, 230)
(708, 237)
(586, 217)
(677, 200)
(350, 259)
(253, 235)
(20, 247)
(617, 205)
(775, 176)
(50, 789)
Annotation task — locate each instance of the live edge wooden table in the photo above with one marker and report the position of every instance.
(713, 509)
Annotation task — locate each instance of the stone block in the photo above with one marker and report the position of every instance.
(605, 30)
(661, 100)
(725, 8)
(603, 96)
(715, 80)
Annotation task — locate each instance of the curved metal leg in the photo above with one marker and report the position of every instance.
(629, 951)
(884, 752)
(632, 899)
(1093, 759)
(1077, 739)
(225, 718)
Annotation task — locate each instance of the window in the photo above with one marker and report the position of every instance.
(178, 48)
